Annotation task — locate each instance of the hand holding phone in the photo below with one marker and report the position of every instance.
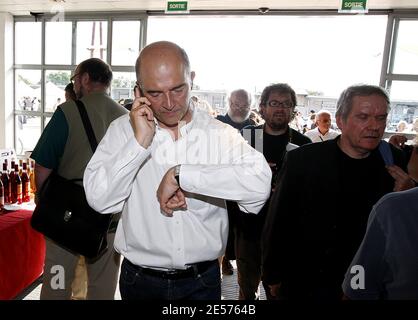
(142, 119)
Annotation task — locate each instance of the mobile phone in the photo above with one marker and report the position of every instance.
(141, 93)
(386, 153)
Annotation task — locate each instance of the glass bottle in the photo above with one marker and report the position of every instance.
(20, 167)
(6, 184)
(1, 195)
(32, 178)
(16, 186)
(25, 184)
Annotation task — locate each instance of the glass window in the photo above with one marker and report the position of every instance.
(123, 84)
(39, 85)
(91, 40)
(406, 54)
(28, 41)
(58, 39)
(28, 90)
(28, 131)
(46, 119)
(319, 55)
(404, 90)
(125, 43)
(55, 82)
(404, 104)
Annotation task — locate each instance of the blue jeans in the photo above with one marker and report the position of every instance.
(135, 285)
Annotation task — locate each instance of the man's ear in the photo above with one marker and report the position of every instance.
(192, 75)
(85, 79)
(340, 122)
(261, 110)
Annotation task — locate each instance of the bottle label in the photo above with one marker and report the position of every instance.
(25, 192)
(19, 193)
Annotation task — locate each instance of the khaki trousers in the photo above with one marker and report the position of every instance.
(59, 270)
(79, 285)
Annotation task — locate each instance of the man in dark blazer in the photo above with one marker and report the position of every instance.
(324, 193)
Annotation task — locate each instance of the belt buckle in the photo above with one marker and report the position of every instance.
(171, 272)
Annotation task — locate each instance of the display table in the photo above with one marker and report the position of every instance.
(22, 253)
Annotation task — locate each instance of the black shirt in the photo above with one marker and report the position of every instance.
(318, 216)
(274, 150)
(239, 126)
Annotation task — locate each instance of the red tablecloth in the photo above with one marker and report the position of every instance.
(22, 253)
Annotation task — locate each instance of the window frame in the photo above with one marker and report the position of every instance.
(109, 17)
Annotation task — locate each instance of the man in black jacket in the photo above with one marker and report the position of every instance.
(325, 191)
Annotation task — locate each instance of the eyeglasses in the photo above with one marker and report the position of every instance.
(285, 104)
(72, 79)
(240, 106)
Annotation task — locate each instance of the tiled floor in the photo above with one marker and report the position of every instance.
(230, 289)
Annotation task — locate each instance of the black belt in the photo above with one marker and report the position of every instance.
(174, 274)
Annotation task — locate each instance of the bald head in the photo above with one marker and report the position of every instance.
(239, 105)
(159, 54)
(165, 80)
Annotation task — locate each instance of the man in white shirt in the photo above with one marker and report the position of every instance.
(323, 130)
(168, 167)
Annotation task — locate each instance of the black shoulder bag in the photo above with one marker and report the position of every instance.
(63, 214)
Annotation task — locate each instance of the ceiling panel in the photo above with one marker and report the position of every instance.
(22, 7)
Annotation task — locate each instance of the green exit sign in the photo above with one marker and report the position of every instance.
(177, 7)
(353, 6)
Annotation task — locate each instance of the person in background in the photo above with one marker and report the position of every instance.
(154, 166)
(79, 284)
(274, 138)
(386, 263)
(401, 126)
(310, 122)
(410, 150)
(69, 92)
(238, 116)
(256, 117)
(308, 243)
(204, 105)
(323, 130)
(297, 122)
(64, 147)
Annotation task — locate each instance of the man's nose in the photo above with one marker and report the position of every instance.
(167, 101)
(373, 124)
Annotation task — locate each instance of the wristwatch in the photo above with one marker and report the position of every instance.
(177, 173)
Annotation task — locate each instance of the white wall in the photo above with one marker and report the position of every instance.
(6, 81)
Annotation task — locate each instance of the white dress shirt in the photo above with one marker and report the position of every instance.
(316, 136)
(216, 164)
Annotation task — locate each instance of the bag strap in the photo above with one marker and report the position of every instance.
(386, 153)
(87, 124)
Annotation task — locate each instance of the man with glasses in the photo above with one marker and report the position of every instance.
(238, 116)
(168, 166)
(64, 147)
(274, 138)
(239, 110)
(324, 193)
